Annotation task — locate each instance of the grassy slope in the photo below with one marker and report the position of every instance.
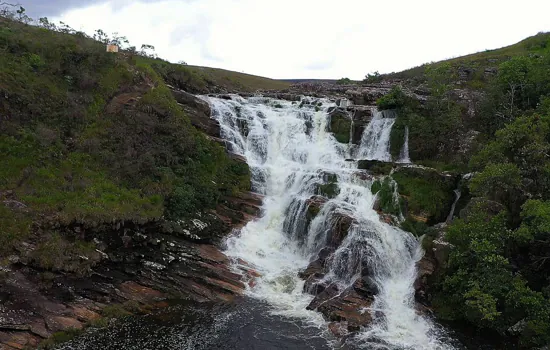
(241, 81)
(91, 137)
(481, 60)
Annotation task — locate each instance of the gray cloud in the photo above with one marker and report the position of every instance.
(41, 8)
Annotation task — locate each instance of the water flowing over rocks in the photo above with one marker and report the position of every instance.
(319, 248)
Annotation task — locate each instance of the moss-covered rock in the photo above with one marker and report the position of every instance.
(375, 167)
(329, 188)
(428, 194)
(340, 126)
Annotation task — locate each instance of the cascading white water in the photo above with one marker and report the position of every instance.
(375, 141)
(290, 153)
(404, 154)
(453, 207)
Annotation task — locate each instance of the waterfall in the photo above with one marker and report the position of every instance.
(291, 154)
(452, 212)
(375, 141)
(404, 154)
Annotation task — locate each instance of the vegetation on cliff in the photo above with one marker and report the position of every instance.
(91, 137)
(497, 274)
(488, 114)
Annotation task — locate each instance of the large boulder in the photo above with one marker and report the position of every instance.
(341, 224)
(361, 115)
(340, 125)
(350, 305)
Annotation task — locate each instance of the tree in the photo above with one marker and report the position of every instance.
(481, 287)
(65, 28)
(440, 79)
(118, 40)
(513, 76)
(45, 23)
(148, 51)
(101, 36)
(371, 78)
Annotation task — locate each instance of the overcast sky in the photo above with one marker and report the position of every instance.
(307, 38)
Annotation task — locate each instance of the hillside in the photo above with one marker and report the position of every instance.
(104, 174)
(473, 67)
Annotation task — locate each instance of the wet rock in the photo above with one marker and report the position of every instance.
(375, 167)
(343, 103)
(60, 323)
(426, 267)
(283, 96)
(361, 116)
(314, 205)
(340, 125)
(340, 228)
(338, 329)
(366, 95)
(192, 101)
(347, 305)
(363, 176)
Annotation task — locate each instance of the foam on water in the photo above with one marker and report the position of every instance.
(290, 152)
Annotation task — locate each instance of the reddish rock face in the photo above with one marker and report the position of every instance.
(338, 329)
(347, 305)
(341, 225)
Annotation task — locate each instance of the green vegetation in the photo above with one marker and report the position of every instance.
(475, 65)
(387, 201)
(432, 126)
(372, 78)
(90, 137)
(375, 167)
(344, 81)
(340, 126)
(428, 194)
(498, 274)
(395, 99)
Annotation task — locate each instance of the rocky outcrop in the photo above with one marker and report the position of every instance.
(198, 112)
(349, 307)
(375, 167)
(428, 194)
(139, 266)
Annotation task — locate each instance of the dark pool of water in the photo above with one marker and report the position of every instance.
(246, 324)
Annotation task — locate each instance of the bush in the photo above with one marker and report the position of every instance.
(481, 287)
(395, 99)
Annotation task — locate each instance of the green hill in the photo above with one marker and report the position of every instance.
(91, 137)
(474, 65)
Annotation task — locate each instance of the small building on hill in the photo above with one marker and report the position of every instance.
(112, 48)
